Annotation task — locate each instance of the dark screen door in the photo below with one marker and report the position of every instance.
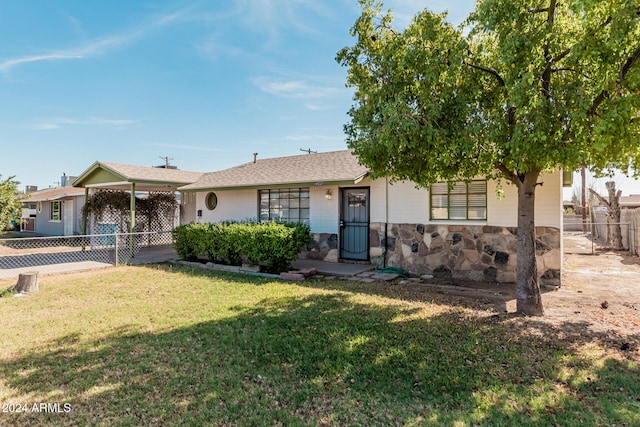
(354, 224)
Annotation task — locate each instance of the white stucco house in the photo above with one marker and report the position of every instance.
(462, 232)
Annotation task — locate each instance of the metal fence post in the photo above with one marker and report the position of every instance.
(116, 248)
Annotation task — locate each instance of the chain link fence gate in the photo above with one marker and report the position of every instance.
(108, 242)
(598, 231)
(51, 255)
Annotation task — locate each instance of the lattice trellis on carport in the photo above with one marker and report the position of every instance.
(150, 214)
(110, 212)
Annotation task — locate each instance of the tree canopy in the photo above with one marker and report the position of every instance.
(522, 87)
(9, 202)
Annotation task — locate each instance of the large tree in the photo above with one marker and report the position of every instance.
(9, 202)
(525, 86)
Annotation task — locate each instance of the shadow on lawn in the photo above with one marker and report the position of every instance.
(476, 295)
(325, 359)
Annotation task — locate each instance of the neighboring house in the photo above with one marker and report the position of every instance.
(54, 211)
(465, 231)
(630, 202)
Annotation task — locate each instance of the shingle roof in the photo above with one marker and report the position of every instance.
(148, 173)
(632, 200)
(334, 166)
(120, 176)
(53, 194)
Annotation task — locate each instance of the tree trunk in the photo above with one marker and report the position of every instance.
(27, 282)
(584, 199)
(615, 231)
(528, 297)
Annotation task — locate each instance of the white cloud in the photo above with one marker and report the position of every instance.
(185, 147)
(271, 17)
(317, 107)
(214, 48)
(57, 123)
(313, 137)
(293, 88)
(404, 10)
(94, 47)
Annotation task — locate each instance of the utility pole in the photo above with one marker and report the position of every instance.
(166, 161)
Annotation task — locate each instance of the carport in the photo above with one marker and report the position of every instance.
(132, 179)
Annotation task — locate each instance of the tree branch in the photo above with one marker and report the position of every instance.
(546, 72)
(629, 63)
(486, 70)
(624, 69)
(509, 175)
(600, 198)
(511, 111)
(539, 10)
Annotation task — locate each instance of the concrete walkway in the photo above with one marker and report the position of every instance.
(154, 255)
(146, 255)
(166, 253)
(332, 268)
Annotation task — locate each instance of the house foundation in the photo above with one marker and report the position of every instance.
(470, 252)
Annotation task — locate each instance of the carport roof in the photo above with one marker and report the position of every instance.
(118, 176)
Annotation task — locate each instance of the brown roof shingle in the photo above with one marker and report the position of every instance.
(334, 166)
(148, 173)
(53, 194)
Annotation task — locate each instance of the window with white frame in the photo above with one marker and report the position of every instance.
(54, 214)
(284, 204)
(459, 200)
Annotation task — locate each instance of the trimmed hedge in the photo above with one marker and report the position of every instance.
(270, 244)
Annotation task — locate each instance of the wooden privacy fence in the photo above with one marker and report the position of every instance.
(597, 228)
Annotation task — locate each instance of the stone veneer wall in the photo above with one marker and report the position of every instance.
(473, 252)
(324, 247)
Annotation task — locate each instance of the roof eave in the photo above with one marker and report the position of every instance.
(347, 181)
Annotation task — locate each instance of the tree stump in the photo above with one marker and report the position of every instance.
(27, 282)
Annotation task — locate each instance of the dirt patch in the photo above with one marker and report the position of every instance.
(600, 294)
(600, 288)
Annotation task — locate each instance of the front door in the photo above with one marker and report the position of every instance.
(67, 217)
(354, 224)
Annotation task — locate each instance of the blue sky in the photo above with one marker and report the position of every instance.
(206, 83)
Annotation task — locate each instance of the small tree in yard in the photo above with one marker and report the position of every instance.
(9, 202)
(614, 231)
(533, 85)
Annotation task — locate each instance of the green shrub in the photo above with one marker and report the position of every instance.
(273, 244)
(188, 240)
(270, 244)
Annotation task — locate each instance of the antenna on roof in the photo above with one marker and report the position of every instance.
(308, 151)
(255, 157)
(166, 161)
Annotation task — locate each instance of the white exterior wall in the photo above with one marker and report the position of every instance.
(504, 212)
(243, 204)
(409, 205)
(232, 204)
(323, 213)
(406, 204)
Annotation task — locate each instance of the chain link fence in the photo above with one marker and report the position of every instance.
(598, 230)
(50, 255)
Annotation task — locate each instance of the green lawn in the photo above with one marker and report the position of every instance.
(174, 346)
